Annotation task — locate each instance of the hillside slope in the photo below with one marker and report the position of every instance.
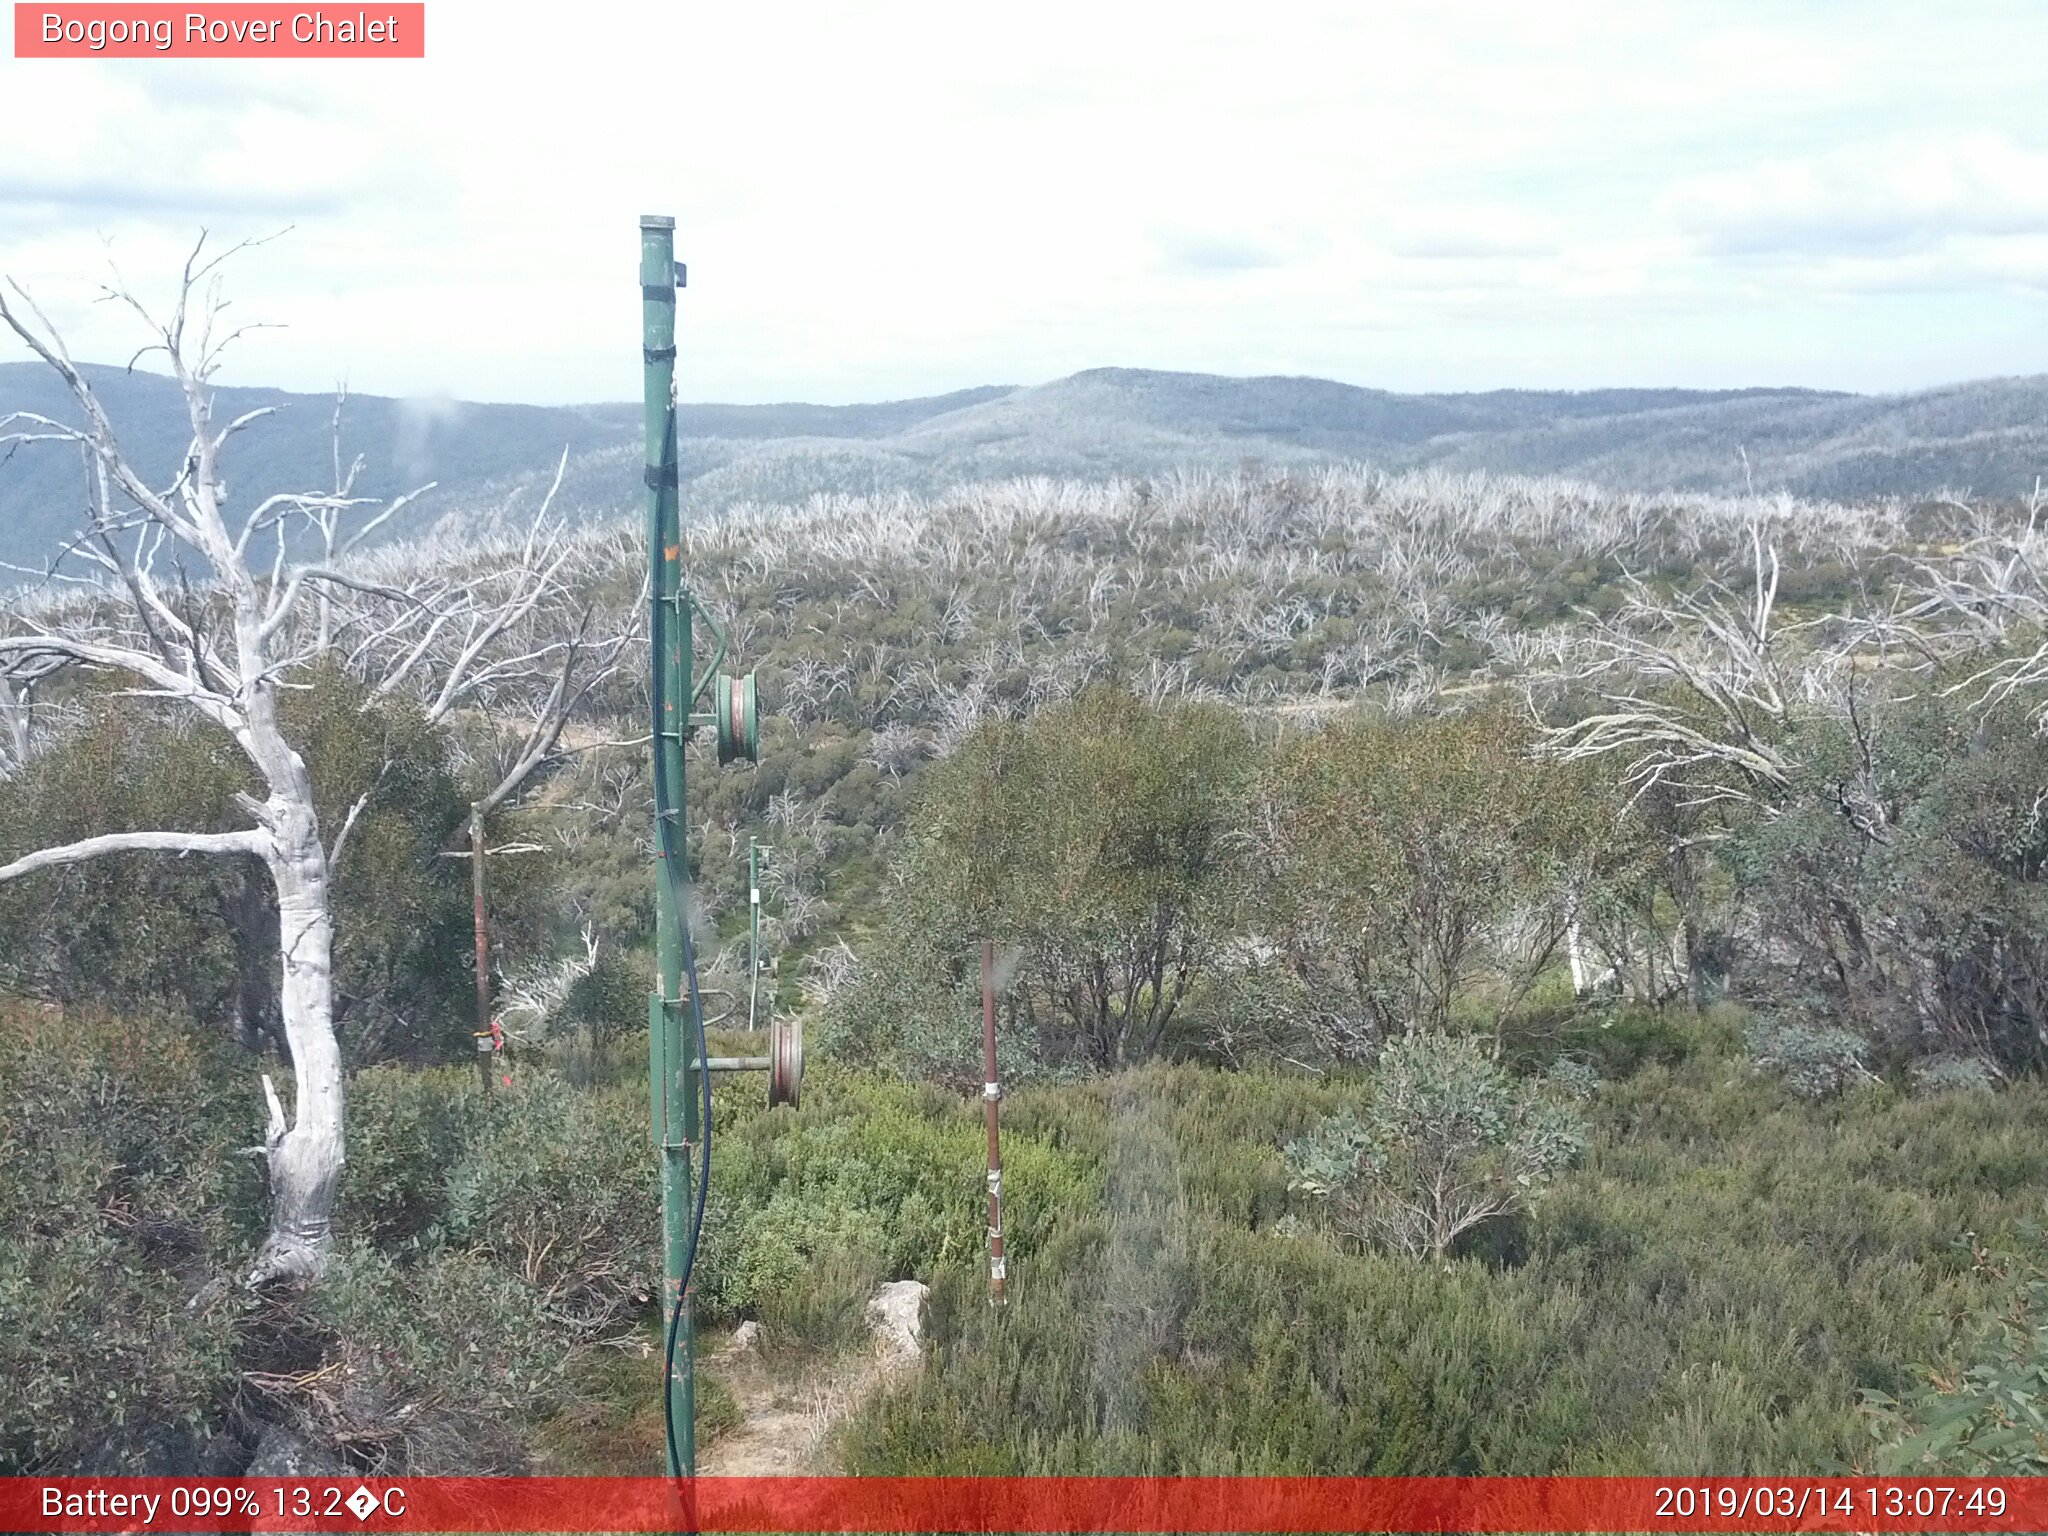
(492, 461)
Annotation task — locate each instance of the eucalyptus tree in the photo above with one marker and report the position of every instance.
(1406, 864)
(1101, 838)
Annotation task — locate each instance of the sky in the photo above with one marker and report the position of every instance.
(898, 198)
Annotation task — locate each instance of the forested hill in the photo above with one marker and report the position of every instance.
(1986, 438)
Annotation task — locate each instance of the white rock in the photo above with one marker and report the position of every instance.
(744, 1338)
(896, 1312)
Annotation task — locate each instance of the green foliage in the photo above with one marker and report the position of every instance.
(1093, 842)
(432, 1368)
(1953, 1074)
(555, 1186)
(1411, 864)
(1904, 888)
(822, 1311)
(141, 929)
(406, 1129)
(916, 1005)
(494, 1246)
(1816, 1062)
(1723, 1270)
(869, 1166)
(1447, 1141)
(717, 1409)
(121, 1198)
(608, 1001)
(200, 934)
(558, 1188)
(402, 916)
(1983, 1415)
(1713, 1284)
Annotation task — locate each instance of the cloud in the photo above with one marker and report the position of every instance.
(926, 195)
(1883, 197)
(1468, 231)
(104, 198)
(1213, 251)
(180, 144)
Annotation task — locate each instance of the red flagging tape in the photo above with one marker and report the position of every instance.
(1050, 1504)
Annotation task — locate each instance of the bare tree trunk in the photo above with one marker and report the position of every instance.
(306, 1155)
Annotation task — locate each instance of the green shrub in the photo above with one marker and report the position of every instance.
(122, 1198)
(1411, 868)
(1981, 1415)
(406, 1130)
(717, 1409)
(1713, 1284)
(559, 1188)
(1954, 1074)
(433, 1368)
(98, 1345)
(872, 1166)
(823, 1310)
(1815, 1061)
(1447, 1141)
(1903, 890)
(1095, 842)
(200, 935)
(608, 1001)
(904, 1009)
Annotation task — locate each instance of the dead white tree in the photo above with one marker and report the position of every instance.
(552, 660)
(224, 647)
(1989, 598)
(1714, 735)
(18, 712)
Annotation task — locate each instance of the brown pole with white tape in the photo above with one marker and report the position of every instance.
(991, 1095)
(486, 1037)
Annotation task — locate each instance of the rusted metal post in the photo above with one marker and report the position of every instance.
(991, 1097)
(484, 1036)
(753, 934)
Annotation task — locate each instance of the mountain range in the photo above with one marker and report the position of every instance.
(491, 462)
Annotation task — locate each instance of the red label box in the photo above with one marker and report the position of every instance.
(373, 30)
(1069, 1505)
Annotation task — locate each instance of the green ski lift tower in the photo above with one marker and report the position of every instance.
(678, 1063)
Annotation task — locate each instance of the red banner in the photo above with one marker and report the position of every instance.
(1052, 1504)
(233, 31)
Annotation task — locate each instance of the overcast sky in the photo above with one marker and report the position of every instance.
(885, 199)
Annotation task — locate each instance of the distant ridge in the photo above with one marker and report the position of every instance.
(1989, 438)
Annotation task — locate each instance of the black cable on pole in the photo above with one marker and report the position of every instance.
(671, 865)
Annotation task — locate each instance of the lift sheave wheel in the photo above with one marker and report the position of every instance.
(739, 719)
(785, 1062)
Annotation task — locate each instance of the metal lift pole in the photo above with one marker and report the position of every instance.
(672, 1068)
(677, 1059)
